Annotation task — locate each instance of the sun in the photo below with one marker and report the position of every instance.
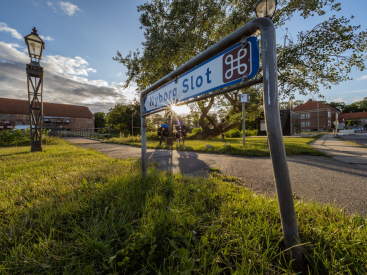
(176, 109)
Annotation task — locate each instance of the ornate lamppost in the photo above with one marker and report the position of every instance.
(35, 88)
(266, 8)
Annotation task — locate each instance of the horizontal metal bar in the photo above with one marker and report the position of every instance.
(218, 47)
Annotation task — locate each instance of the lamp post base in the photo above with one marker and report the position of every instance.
(36, 146)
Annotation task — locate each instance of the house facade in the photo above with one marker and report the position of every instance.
(359, 119)
(15, 112)
(315, 115)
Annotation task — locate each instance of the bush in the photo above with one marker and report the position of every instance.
(234, 133)
(197, 130)
(250, 133)
(23, 138)
(152, 136)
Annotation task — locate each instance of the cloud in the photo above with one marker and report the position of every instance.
(91, 70)
(65, 7)
(119, 74)
(68, 8)
(355, 91)
(357, 99)
(47, 38)
(363, 77)
(66, 81)
(339, 99)
(14, 33)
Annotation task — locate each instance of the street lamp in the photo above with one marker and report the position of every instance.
(266, 8)
(35, 75)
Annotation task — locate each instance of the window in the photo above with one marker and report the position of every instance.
(308, 130)
(302, 130)
(11, 116)
(308, 123)
(3, 116)
(302, 116)
(308, 115)
(328, 114)
(19, 123)
(303, 124)
(329, 123)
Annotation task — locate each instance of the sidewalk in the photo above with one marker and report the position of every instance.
(341, 150)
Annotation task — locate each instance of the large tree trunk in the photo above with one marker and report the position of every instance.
(221, 128)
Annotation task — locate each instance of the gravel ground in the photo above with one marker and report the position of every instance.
(321, 179)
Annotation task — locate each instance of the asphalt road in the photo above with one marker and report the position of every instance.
(321, 179)
(359, 138)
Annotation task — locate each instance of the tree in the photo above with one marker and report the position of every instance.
(121, 117)
(337, 105)
(176, 31)
(99, 120)
(358, 106)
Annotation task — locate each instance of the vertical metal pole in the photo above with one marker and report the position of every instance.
(243, 124)
(318, 124)
(143, 140)
(276, 144)
(132, 124)
(98, 133)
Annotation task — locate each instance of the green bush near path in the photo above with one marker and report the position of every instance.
(23, 138)
(68, 210)
(255, 146)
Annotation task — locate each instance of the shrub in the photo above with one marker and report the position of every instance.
(152, 136)
(250, 133)
(23, 138)
(234, 133)
(197, 130)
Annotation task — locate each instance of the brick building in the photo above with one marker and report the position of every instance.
(313, 112)
(360, 118)
(15, 112)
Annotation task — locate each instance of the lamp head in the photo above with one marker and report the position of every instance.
(35, 45)
(266, 8)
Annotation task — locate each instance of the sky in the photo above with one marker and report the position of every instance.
(82, 36)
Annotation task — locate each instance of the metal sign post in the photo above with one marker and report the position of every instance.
(244, 98)
(163, 92)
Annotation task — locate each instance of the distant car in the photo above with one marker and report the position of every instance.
(359, 129)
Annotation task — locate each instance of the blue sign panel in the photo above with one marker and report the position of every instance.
(222, 70)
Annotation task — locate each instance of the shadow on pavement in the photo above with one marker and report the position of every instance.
(330, 164)
(178, 162)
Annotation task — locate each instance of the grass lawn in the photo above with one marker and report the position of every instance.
(68, 210)
(255, 146)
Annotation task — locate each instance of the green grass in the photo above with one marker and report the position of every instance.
(68, 210)
(255, 146)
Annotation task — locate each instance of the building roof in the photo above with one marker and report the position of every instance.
(356, 115)
(312, 105)
(17, 106)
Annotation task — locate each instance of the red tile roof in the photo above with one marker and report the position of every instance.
(17, 106)
(311, 106)
(357, 115)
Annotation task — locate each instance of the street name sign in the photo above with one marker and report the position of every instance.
(244, 98)
(224, 69)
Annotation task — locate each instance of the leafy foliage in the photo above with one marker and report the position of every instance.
(23, 138)
(121, 117)
(176, 31)
(358, 106)
(99, 120)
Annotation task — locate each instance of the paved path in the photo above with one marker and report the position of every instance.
(342, 150)
(324, 180)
